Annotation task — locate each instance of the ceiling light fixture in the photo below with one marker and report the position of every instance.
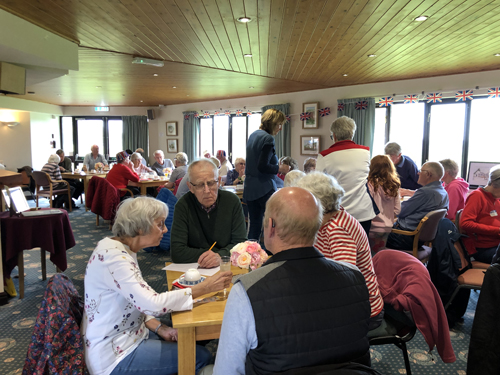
(372, 55)
(344, 75)
(143, 61)
(251, 87)
(244, 19)
(421, 18)
(156, 74)
(174, 87)
(247, 55)
(98, 87)
(496, 55)
(10, 124)
(142, 101)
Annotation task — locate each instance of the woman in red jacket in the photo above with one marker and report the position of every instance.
(481, 219)
(122, 173)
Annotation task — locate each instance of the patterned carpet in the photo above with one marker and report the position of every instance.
(18, 316)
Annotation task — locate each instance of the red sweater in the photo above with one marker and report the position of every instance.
(481, 221)
(120, 175)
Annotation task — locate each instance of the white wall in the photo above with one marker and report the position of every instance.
(43, 126)
(15, 146)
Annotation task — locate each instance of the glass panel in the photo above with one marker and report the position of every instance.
(221, 133)
(379, 133)
(239, 144)
(254, 123)
(206, 135)
(115, 128)
(67, 136)
(447, 132)
(90, 132)
(484, 130)
(407, 129)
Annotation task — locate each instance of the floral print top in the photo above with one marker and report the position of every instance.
(117, 303)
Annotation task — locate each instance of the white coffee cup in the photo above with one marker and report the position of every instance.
(192, 274)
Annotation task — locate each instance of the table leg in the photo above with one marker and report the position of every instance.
(85, 186)
(143, 189)
(20, 267)
(186, 348)
(44, 264)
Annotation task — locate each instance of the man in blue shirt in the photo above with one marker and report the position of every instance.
(406, 168)
(431, 196)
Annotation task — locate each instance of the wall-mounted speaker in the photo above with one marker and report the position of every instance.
(151, 114)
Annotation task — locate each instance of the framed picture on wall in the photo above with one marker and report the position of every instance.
(311, 122)
(172, 146)
(310, 144)
(172, 129)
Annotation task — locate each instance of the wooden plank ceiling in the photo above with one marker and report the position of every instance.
(295, 45)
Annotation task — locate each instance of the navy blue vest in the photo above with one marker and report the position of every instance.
(308, 311)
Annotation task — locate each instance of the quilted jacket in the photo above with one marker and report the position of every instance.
(102, 198)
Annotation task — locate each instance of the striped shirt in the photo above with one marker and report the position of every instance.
(343, 239)
(55, 174)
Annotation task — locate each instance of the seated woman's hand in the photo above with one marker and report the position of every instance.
(213, 283)
(167, 333)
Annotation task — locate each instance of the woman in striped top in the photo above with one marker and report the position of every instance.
(342, 238)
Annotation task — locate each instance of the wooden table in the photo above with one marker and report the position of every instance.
(143, 185)
(85, 177)
(203, 322)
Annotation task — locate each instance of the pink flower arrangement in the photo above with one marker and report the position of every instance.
(248, 254)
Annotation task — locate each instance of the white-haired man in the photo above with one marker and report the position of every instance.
(274, 321)
(161, 163)
(204, 216)
(90, 160)
(431, 196)
(180, 162)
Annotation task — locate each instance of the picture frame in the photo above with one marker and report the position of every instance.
(310, 144)
(172, 146)
(311, 123)
(171, 128)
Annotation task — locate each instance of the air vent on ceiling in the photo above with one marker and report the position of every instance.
(12, 79)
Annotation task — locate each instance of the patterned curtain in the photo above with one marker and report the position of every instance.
(362, 111)
(136, 133)
(282, 139)
(191, 128)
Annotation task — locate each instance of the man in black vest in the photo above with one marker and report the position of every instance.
(299, 309)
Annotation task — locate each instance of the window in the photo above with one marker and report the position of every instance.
(484, 130)
(227, 133)
(379, 133)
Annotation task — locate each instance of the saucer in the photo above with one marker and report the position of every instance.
(190, 283)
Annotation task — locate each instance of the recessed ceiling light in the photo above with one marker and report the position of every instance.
(174, 87)
(244, 19)
(345, 75)
(98, 87)
(156, 74)
(421, 18)
(496, 54)
(251, 87)
(142, 101)
(372, 55)
(247, 55)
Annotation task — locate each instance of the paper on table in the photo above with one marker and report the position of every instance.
(183, 267)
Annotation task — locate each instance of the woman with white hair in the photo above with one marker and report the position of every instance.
(120, 327)
(292, 177)
(52, 168)
(349, 163)
(180, 162)
(481, 219)
(139, 167)
(236, 176)
(342, 238)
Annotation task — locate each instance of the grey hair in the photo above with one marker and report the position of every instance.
(309, 165)
(181, 157)
(209, 162)
(494, 178)
(288, 160)
(159, 152)
(450, 166)
(136, 216)
(54, 158)
(239, 160)
(436, 168)
(135, 156)
(343, 128)
(325, 188)
(392, 148)
(292, 177)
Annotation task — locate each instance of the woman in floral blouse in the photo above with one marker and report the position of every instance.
(119, 328)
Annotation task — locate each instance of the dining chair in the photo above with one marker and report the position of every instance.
(474, 263)
(425, 232)
(43, 179)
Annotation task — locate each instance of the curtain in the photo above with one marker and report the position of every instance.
(282, 139)
(364, 118)
(191, 129)
(136, 134)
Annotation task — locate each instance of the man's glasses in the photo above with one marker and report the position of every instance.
(212, 184)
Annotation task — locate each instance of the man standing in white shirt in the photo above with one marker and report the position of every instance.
(225, 165)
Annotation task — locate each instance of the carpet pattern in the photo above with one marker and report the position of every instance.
(17, 318)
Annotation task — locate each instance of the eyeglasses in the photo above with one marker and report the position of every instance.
(212, 184)
(161, 225)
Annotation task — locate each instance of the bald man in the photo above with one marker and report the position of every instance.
(94, 157)
(277, 317)
(431, 196)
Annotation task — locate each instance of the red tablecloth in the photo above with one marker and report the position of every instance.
(52, 233)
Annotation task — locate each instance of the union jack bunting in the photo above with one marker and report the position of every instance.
(239, 112)
(216, 113)
(385, 102)
(409, 99)
(324, 111)
(196, 115)
(304, 116)
(434, 97)
(463, 95)
(361, 105)
(494, 92)
(206, 114)
(186, 117)
(340, 107)
(249, 113)
(227, 112)
(288, 118)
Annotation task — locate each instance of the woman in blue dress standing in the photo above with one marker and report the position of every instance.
(262, 167)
